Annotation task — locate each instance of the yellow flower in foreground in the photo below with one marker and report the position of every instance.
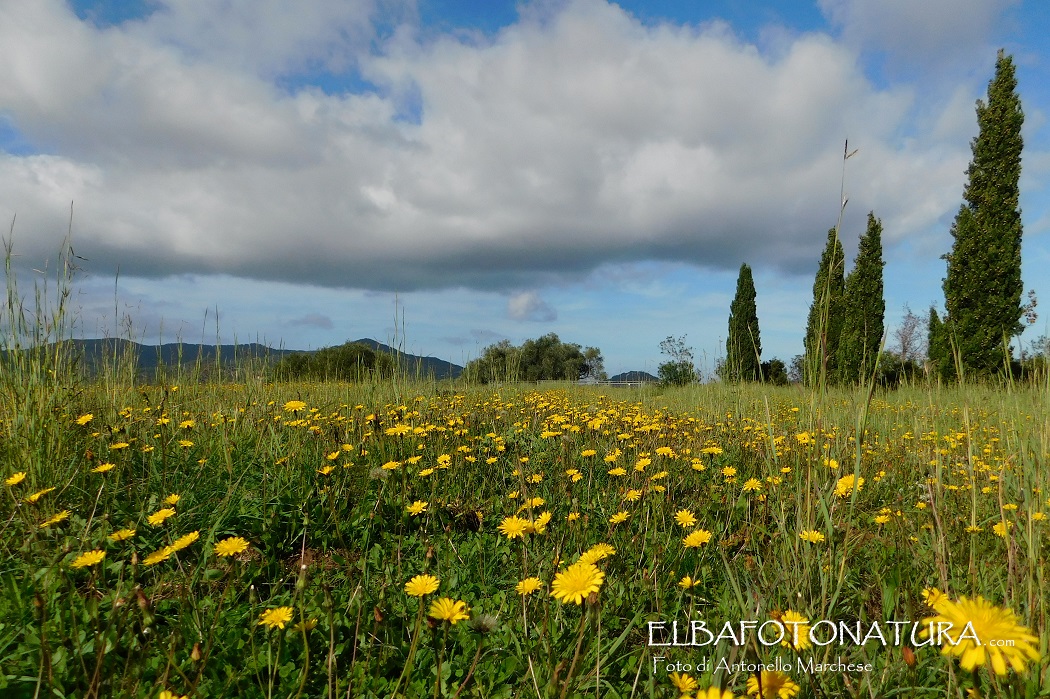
(184, 541)
(325, 470)
(85, 419)
(102, 468)
(619, 517)
(158, 517)
(122, 534)
(697, 538)
(171, 499)
(847, 484)
(61, 516)
(417, 508)
(514, 526)
(683, 683)
(752, 485)
(714, 693)
(37, 495)
(1015, 644)
(597, 553)
(391, 465)
(796, 629)
(15, 478)
(812, 536)
(448, 609)
(618, 471)
(576, 582)
(160, 555)
(685, 517)
(421, 585)
(294, 405)
(90, 558)
(165, 694)
(230, 547)
(772, 685)
(528, 586)
(276, 617)
(686, 582)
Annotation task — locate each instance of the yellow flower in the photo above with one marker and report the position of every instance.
(421, 585)
(185, 443)
(391, 465)
(294, 405)
(85, 419)
(303, 626)
(697, 538)
(37, 495)
(230, 547)
(685, 518)
(596, 553)
(90, 558)
(158, 517)
(772, 685)
(119, 445)
(528, 586)
(276, 617)
(796, 627)
(184, 541)
(618, 471)
(187, 424)
(15, 478)
(683, 683)
(165, 694)
(61, 516)
(514, 526)
(539, 525)
(171, 499)
(1000, 529)
(728, 471)
(686, 582)
(714, 693)
(588, 452)
(1014, 644)
(447, 609)
(619, 517)
(325, 470)
(752, 485)
(812, 536)
(160, 555)
(576, 582)
(102, 468)
(122, 534)
(572, 517)
(847, 484)
(417, 508)
(632, 495)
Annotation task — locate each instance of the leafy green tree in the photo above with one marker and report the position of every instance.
(983, 286)
(744, 345)
(351, 361)
(775, 372)
(545, 358)
(864, 309)
(824, 324)
(680, 370)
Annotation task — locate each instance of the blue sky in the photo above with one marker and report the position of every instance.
(447, 174)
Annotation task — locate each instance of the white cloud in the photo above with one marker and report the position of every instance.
(930, 32)
(568, 141)
(527, 305)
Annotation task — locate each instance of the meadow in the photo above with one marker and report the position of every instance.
(408, 538)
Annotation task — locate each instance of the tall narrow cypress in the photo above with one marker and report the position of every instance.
(744, 345)
(824, 325)
(983, 285)
(864, 309)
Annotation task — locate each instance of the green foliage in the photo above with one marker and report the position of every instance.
(544, 359)
(864, 309)
(681, 369)
(939, 347)
(350, 361)
(983, 285)
(744, 344)
(824, 323)
(775, 372)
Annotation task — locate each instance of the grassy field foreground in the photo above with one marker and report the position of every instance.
(398, 540)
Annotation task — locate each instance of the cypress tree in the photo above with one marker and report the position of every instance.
(864, 309)
(983, 286)
(938, 352)
(824, 325)
(744, 346)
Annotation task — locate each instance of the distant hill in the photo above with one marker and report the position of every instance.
(634, 377)
(97, 353)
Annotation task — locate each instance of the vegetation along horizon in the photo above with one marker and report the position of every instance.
(334, 526)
